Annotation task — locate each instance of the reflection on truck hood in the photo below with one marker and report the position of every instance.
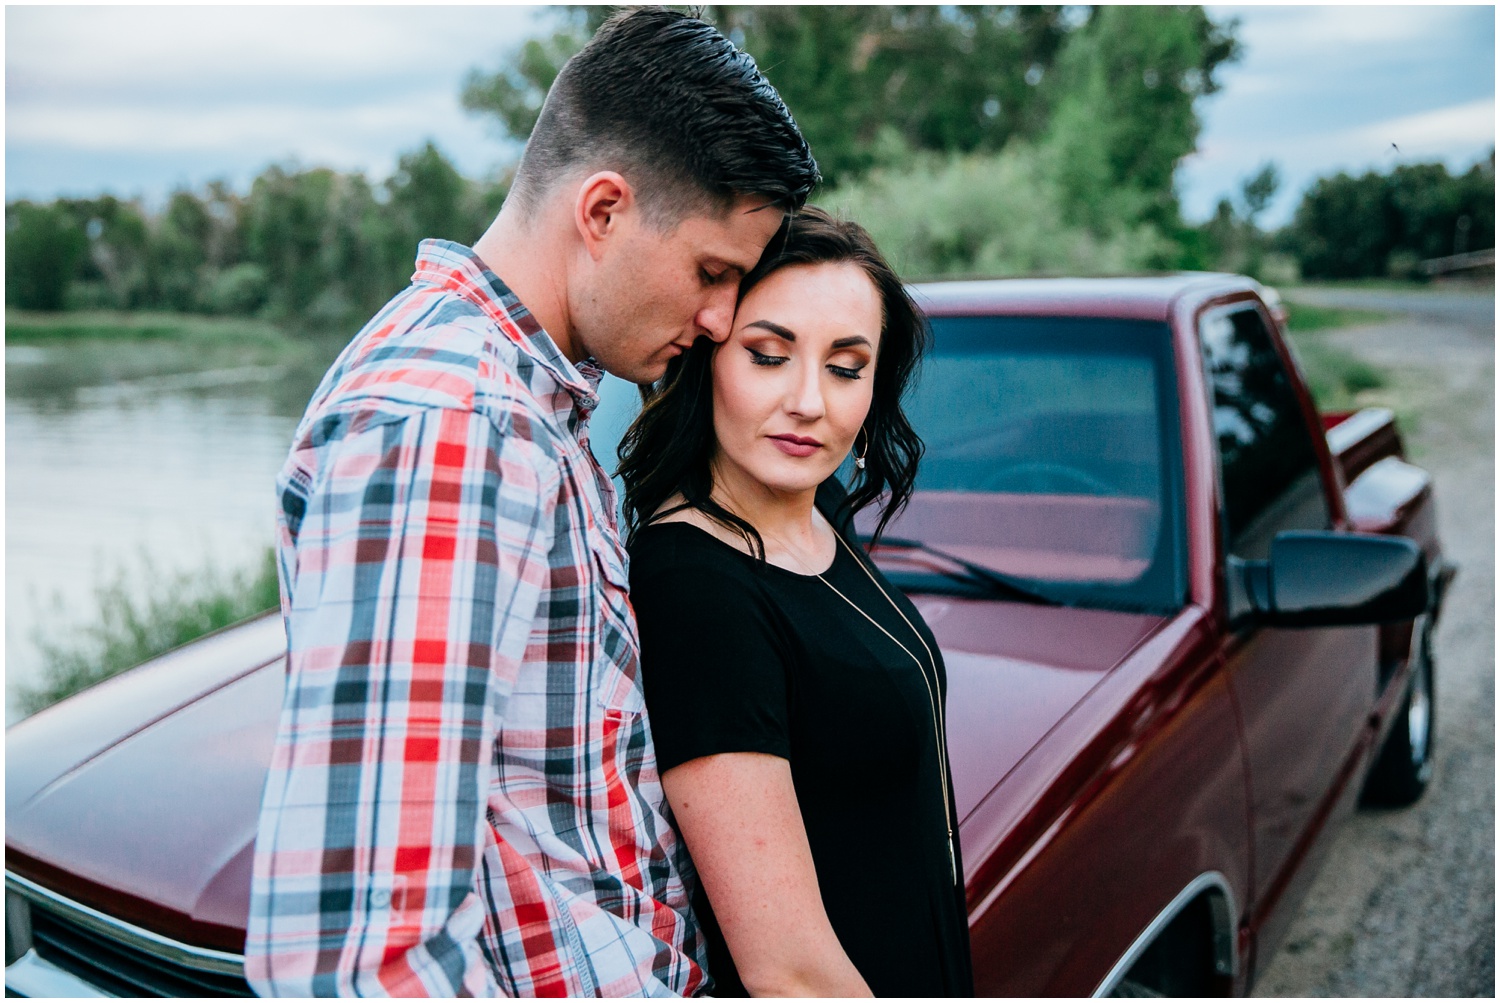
(1014, 671)
(140, 797)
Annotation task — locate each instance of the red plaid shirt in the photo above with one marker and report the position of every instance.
(463, 798)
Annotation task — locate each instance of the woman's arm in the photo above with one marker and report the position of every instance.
(738, 813)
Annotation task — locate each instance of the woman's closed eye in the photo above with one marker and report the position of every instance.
(842, 372)
(762, 359)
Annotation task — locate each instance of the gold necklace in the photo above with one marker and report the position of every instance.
(933, 692)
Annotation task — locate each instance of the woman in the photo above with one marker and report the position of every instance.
(796, 697)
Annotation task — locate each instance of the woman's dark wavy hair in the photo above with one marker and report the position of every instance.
(669, 447)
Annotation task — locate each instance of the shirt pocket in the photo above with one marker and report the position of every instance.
(617, 685)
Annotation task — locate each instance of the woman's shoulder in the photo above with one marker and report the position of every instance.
(681, 549)
(690, 586)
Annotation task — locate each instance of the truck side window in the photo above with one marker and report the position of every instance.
(1270, 471)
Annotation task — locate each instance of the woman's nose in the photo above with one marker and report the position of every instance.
(805, 395)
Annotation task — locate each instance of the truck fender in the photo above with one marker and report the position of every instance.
(1223, 910)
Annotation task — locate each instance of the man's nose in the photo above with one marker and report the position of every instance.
(716, 318)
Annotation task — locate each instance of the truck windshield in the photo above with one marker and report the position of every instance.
(1052, 458)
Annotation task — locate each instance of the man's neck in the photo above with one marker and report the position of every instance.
(533, 267)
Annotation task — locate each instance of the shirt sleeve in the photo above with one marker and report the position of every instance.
(413, 580)
(713, 665)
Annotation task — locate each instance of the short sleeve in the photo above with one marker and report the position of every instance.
(713, 663)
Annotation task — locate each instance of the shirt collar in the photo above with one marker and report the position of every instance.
(456, 267)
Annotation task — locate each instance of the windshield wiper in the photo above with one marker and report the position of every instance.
(992, 581)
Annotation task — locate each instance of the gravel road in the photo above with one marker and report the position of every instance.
(1405, 903)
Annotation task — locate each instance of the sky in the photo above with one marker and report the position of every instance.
(143, 100)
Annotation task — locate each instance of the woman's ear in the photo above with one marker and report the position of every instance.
(605, 201)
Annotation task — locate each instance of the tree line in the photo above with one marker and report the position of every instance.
(312, 245)
(1001, 140)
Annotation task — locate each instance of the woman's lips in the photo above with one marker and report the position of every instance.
(796, 445)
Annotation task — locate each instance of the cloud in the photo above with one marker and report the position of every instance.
(1457, 135)
(1296, 32)
(119, 88)
(104, 49)
(1428, 134)
(142, 128)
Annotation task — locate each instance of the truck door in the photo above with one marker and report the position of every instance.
(1303, 693)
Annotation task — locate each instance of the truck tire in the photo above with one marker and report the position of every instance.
(1404, 766)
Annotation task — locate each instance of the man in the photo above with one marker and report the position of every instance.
(463, 797)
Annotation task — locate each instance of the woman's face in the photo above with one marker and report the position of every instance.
(793, 383)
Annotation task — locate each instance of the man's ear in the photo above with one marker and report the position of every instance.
(603, 199)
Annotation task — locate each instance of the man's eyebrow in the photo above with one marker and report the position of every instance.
(774, 328)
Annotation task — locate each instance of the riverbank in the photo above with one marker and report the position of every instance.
(34, 328)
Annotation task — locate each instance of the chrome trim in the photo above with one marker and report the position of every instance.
(1226, 961)
(201, 958)
(37, 977)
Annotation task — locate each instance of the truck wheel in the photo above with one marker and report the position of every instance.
(1400, 775)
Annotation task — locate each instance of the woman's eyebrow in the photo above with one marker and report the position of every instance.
(857, 339)
(774, 328)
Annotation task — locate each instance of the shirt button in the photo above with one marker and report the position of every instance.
(382, 899)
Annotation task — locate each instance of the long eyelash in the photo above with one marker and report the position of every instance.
(846, 373)
(765, 360)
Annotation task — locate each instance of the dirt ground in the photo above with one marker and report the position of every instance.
(1405, 902)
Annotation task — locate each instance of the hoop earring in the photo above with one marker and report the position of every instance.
(859, 458)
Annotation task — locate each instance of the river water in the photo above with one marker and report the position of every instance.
(134, 462)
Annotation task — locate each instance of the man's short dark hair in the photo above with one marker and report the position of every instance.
(676, 108)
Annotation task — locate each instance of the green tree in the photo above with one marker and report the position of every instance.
(286, 227)
(1257, 191)
(111, 273)
(430, 197)
(1123, 113)
(515, 92)
(43, 247)
(866, 84)
(179, 252)
(1101, 102)
(862, 81)
(1386, 224)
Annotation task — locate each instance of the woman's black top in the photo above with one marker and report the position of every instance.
(738, 655)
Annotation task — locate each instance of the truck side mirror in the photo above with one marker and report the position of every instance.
(1324, 579)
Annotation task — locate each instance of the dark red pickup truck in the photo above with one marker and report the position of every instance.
(1188, 624)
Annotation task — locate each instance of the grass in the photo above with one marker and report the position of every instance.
(68, 351)
(30, 328)
(1339, 379)
(137, 622)
(1336, 377)
(1305, 317)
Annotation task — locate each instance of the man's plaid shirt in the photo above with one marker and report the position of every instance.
(463, 798)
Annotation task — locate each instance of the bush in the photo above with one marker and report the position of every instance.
(240, 290)
(997, 214)
(135, 623)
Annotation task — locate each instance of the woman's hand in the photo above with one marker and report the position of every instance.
(738, 813)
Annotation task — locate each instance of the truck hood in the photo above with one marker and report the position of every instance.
(140, 797)
(1014, 672)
